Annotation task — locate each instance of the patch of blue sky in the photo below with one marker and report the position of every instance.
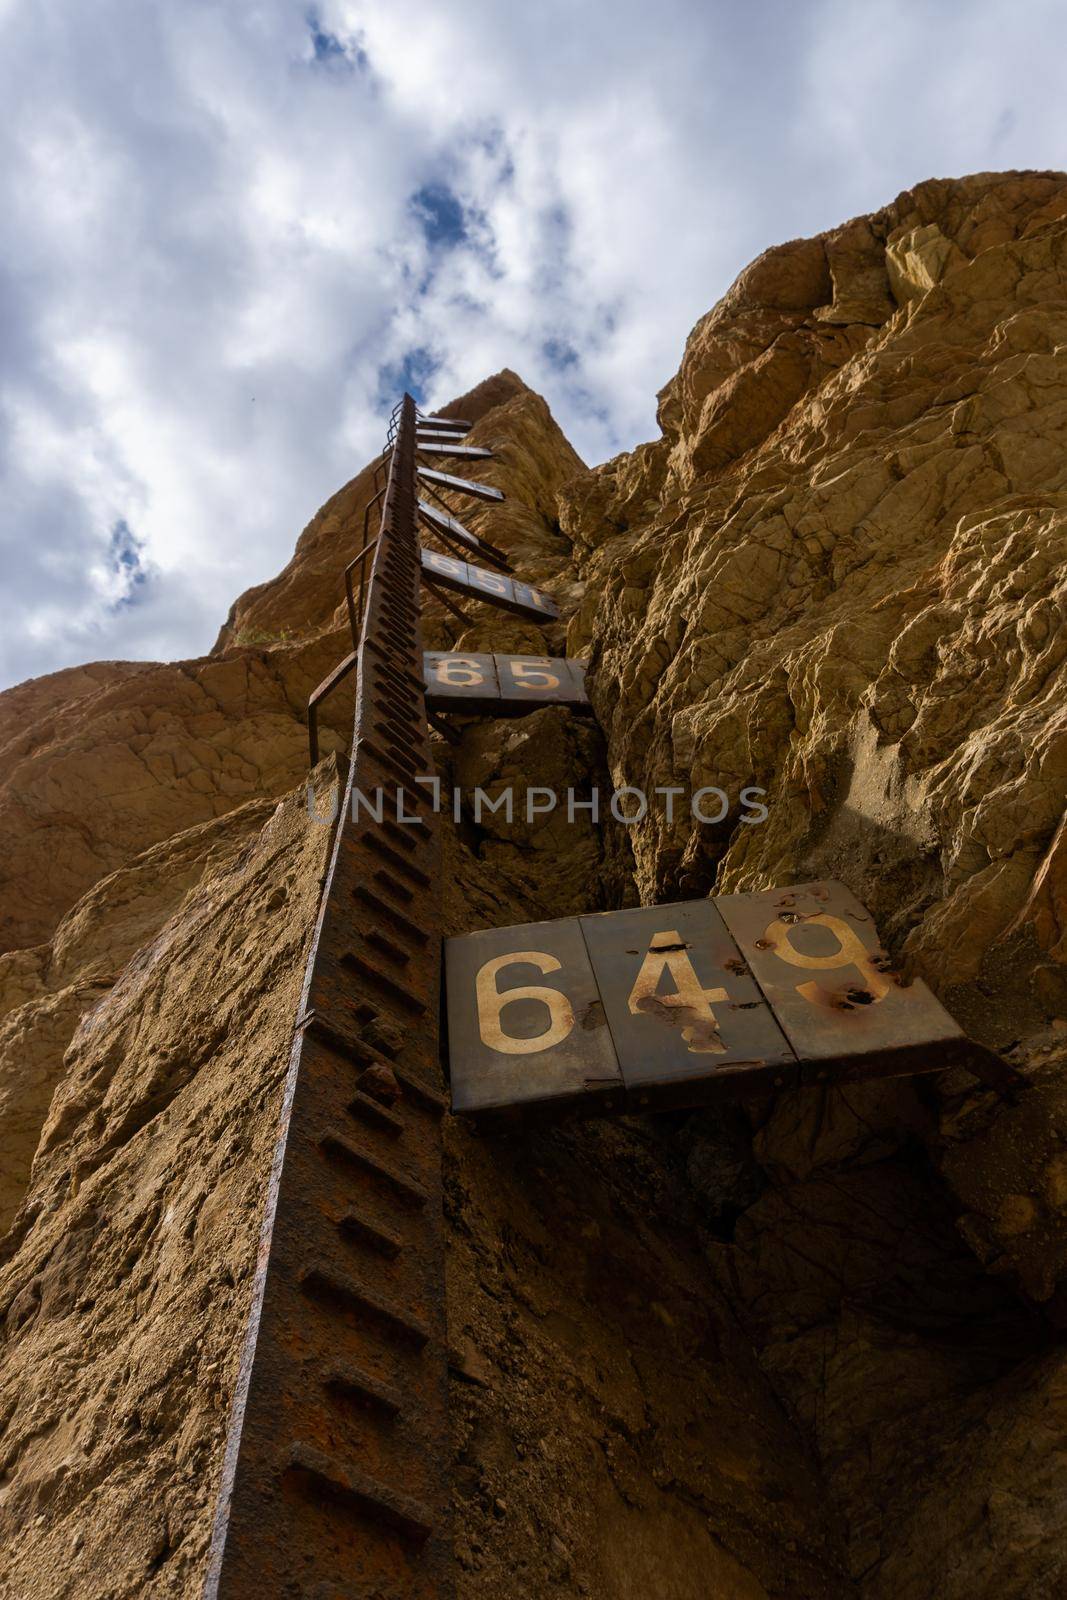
(125, 554)
(330, 51)
(559, 353)
(410, 375)
(441, 215)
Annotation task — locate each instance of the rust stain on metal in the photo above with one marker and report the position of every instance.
(335, 1473)
(699, 1032)
(592, 1015)
(833, 988)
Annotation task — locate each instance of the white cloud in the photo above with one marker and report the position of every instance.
(213, 258)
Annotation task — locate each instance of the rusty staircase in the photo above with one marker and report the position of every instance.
(335, 1476)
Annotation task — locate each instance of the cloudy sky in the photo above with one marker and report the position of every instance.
(234, 229)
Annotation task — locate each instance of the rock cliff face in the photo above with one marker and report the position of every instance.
(805, 1347)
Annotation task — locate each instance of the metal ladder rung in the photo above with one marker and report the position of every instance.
(320, 1280)
(396, 990)
(355, 1384)
(367, 1109)
(369, 1233)
(349, 1485)
(408, 1190)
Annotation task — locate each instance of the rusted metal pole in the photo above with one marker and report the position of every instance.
(334, 1483)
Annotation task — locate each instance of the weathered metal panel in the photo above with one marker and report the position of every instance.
(521, 598)
(815, 952)
(525, 1023)
(445, 569)
(710, 997)
(546, 679)
(443, 424)
(442, 522)
(686, 1018)
(539, 601)
(452, 677)
(512, 686)
(435, 446)
(492, 587)
(445, 480)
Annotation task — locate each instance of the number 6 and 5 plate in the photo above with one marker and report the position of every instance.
(503, 686)
(673, 1005)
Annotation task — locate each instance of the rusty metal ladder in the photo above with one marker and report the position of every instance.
(335, 1482)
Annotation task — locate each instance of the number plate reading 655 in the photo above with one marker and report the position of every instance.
(673, 1005)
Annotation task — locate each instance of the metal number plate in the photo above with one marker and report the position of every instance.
(525, 1020)
(444, 568)
(784, 986)
(450, 676)
(548, 679)
(491, 585)
(536, 601)
(481, 584)
(679, 1001)
(816, 954)
(501, 686)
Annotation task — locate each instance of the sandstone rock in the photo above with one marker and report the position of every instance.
(142, 755)
(129, 1269)
(808, 1348)
(74, 973)
(854, 600)
(919, 259)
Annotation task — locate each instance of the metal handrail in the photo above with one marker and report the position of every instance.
(355, 616)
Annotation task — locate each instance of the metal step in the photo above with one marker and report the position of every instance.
(445, 480)
(447, 526)
(468, 452)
